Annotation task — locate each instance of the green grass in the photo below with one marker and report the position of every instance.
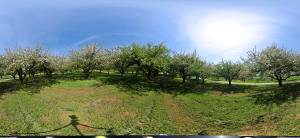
(261, 80)
(8, 76)
(131, 105)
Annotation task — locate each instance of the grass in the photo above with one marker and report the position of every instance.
(131, 105)
(261, 80)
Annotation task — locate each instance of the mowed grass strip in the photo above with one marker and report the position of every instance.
(184, 121)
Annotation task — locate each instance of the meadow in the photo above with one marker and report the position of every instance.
(109, 104)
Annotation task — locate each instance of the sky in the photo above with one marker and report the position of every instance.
(216, 29)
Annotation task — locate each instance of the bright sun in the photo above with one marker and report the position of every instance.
(225, 32)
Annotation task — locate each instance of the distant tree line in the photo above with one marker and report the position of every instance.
(273, 62)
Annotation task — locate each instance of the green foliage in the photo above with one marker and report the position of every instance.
(185, 63)
(88, 58)
(26, 61)
(230, 70)
(274, 62)
(202, 69)
(123, 58)
(62, 64)
(151, 59)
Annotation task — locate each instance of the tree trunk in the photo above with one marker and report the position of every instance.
(127, 71)
(202, 81)
(136, 73)
(173, 75)
(1, 76)
(155, 74)
(20, 76)
(108, 72)
(183, 79)
(24, 76)
(149, 74)
(229, 82)
(131, 72)
(197, 77)
(49, 74)
(14, 76)
(122, 72)
(21, 79)
(280, 82)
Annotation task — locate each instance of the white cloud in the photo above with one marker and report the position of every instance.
(225, 34)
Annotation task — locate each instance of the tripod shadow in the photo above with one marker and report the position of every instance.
(74, 122)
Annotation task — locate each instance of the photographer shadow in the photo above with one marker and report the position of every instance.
(74, 122)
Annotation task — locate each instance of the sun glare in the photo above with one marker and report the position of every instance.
(225, 32)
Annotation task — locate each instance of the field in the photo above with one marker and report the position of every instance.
(131, 105)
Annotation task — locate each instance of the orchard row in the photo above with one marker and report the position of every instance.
(274, 62)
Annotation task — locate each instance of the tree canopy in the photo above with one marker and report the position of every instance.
(274, 62)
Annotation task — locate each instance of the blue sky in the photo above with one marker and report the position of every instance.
(216, 29)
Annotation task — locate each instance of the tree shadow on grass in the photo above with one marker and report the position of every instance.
(9, 86)
(70, 77)
(262, 94)
(35, 85)
(74, 123)
(224, 88)
(32, 86)
(279, 95)
(139, 85)
(75, 76)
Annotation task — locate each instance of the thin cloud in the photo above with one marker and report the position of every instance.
(85, 40)
(99, 37)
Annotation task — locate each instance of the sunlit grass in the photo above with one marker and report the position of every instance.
(132, 105)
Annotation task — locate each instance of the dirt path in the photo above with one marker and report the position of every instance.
(268, 83)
